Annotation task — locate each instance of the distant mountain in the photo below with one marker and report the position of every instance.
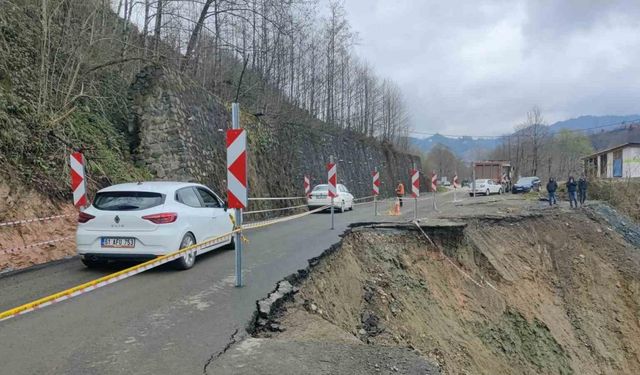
(463, 147)
(589, 122)
(609, 130)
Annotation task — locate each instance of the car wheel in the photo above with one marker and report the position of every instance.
(189, 259)
(487, 193)
(351, 207)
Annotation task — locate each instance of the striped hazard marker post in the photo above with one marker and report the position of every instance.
(434, 188)
(332, 176)
(415, 189)
(78, 180)
(307, 186)
(237, 180)
(376, 190)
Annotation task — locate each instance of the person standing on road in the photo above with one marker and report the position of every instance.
(582, 190)
(572, 186)
(400, 192)
(552, 186)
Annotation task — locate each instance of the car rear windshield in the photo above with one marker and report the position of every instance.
(321, 188)
(127, 200)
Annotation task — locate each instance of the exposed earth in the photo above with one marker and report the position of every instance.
(498, 285)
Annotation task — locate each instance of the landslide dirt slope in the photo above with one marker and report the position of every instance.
(550, 293)
(18, 202)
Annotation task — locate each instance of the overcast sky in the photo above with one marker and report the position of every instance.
(477, 66)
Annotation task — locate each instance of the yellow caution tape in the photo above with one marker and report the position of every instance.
(139, 268)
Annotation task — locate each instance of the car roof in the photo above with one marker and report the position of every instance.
(164, 187)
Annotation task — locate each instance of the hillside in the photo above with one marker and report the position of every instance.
(587, 122)
(75, 92)
(610, 130)
(138, 118)
(605, 139)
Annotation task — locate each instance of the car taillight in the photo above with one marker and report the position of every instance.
(163, 218)
(83, 217)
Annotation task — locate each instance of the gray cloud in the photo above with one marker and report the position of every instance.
(475, 67)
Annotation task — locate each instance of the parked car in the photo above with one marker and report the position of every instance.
(486, 187)
(140, 221)
(319, 197)
(526, 184)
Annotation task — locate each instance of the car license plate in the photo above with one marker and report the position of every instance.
(321, 196)
(118, 242)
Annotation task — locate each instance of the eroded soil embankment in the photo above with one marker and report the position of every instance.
(556, 293)
(18, 202)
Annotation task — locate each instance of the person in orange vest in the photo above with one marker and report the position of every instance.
(400, 192)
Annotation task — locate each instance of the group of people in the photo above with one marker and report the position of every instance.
(577, 191)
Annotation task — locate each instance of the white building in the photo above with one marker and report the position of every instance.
(622, 161)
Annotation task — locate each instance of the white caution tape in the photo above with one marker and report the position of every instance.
(11, 250)
(274, 209)
(265, 223)
(363, 198)
(276, 198)
(27, 221)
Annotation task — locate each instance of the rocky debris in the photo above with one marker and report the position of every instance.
(616, 221)
(269, 308)
(371, 323)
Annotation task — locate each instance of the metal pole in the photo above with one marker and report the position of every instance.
(375, 199)
(235, 122)
(332, 209)
(435, 206)
(473, 183)
(415, 211)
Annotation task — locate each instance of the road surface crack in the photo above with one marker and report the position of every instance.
(232, 340)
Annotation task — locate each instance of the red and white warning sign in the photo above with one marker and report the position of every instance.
(78, 181)
(434, 181)
(307, 186)
(456, 183)
(333, 179)
(237, 168)
(376, 183)
(415, 183)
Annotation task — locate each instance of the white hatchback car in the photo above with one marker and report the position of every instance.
(486, 186)
(140, 221)
(319, 197)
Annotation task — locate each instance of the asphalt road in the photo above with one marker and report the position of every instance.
(162, 321)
